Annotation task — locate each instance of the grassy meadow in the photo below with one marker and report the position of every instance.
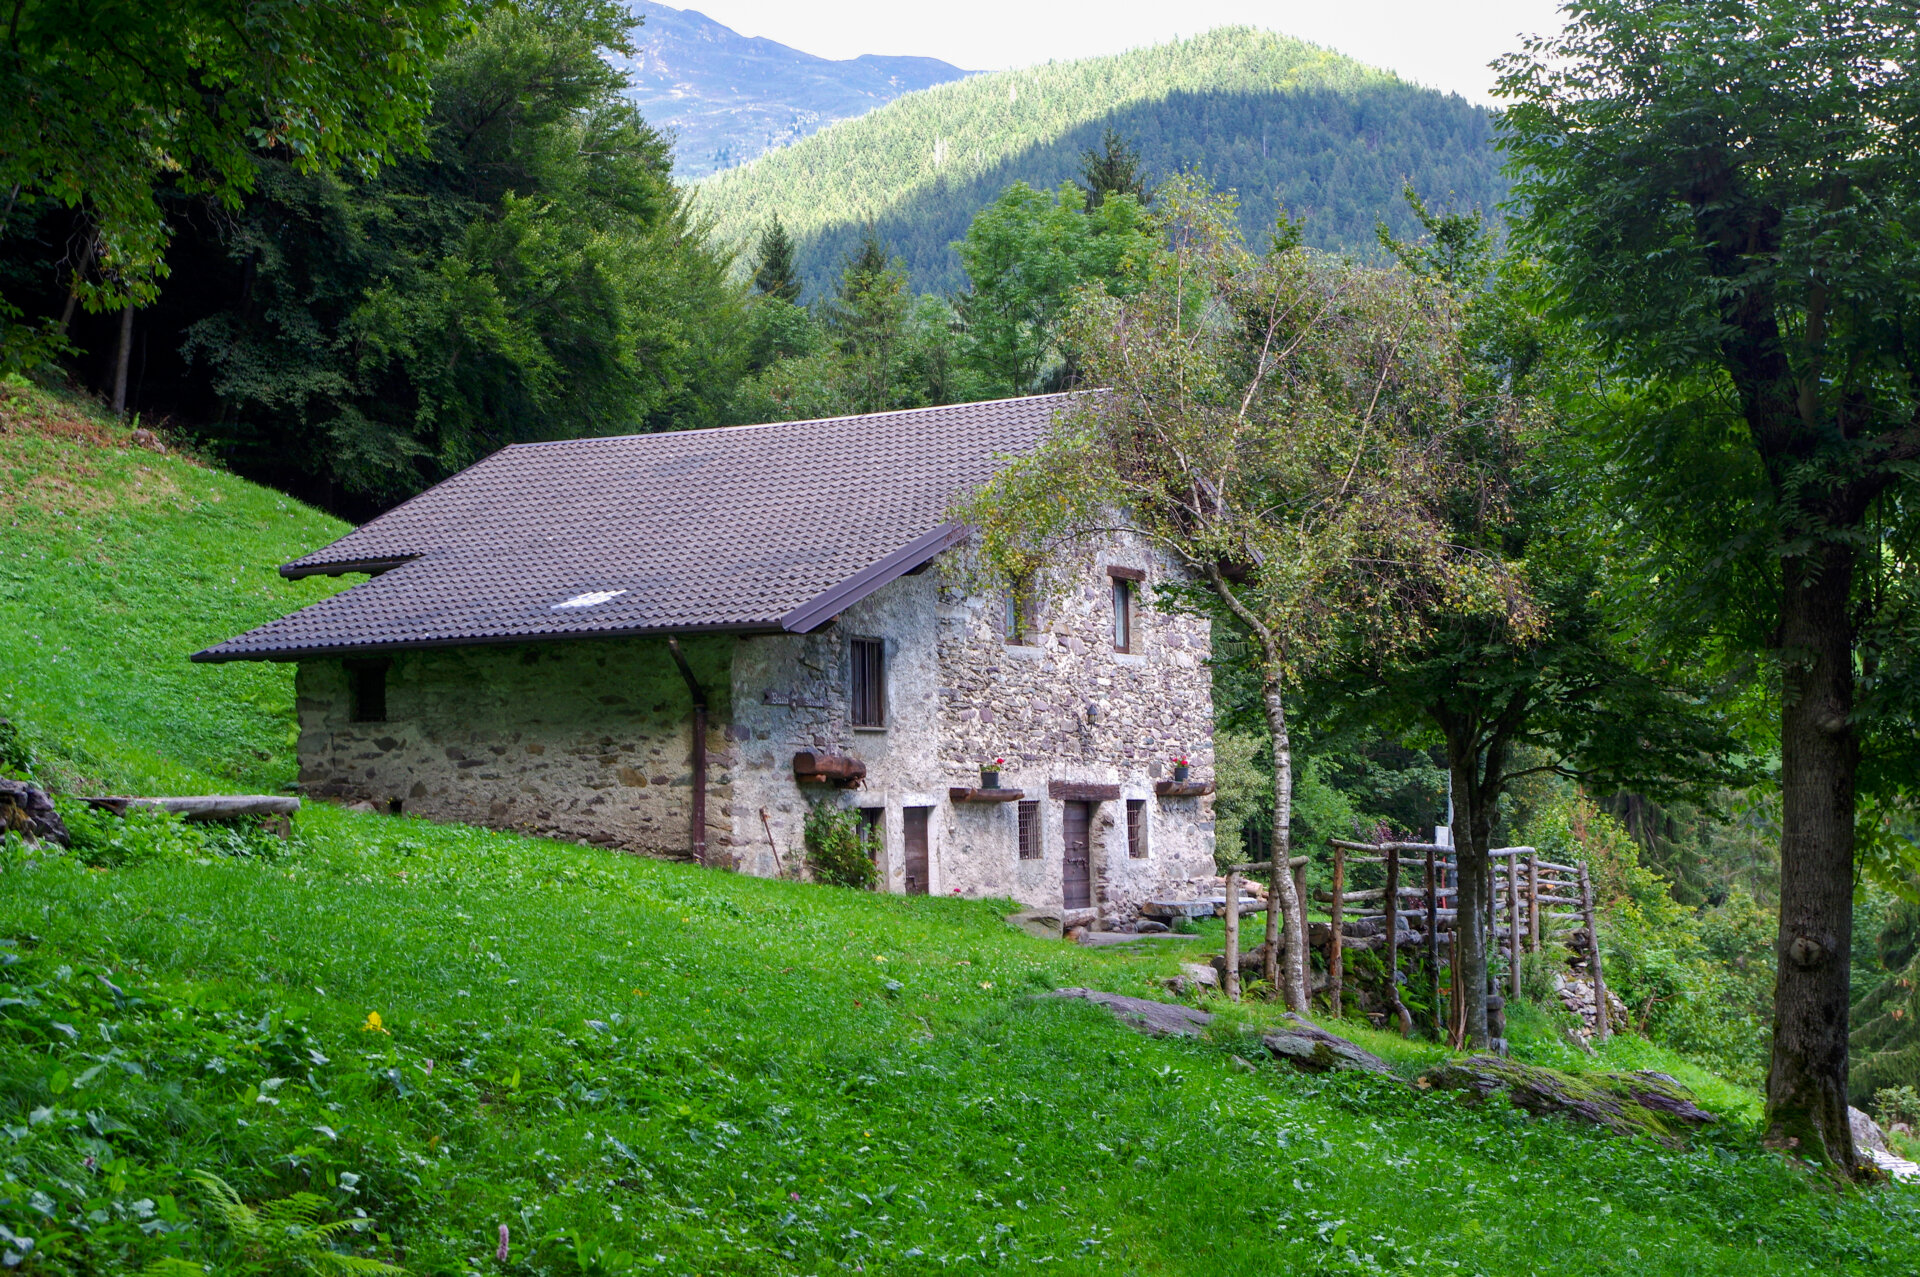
(428, 1034)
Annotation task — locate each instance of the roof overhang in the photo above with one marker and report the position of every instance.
(831, 602)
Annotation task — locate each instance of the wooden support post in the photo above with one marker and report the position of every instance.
(1457, 999)
(1433, 941)
(1338, 912)
(1233, 934)
(1513, 927)
(1533, 902)
(1600, 1026)
(697, 820)
(1393, 941)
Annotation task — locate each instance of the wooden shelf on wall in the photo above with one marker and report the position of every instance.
(962, 794)
(810, 768)
(1182, 788)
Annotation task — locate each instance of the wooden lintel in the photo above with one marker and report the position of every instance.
(962, 794)
(1126, 574)
(811, 768)
(1080, 791)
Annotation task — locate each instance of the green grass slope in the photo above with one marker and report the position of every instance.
(436, 1033)
(1286, 124)
(116, 564)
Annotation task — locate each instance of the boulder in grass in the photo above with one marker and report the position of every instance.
(1311, 1049)
(26, 810)
(1645, 1103)
(1156, 1019)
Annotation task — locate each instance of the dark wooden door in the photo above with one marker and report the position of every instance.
(916, 840)
(1077, 868)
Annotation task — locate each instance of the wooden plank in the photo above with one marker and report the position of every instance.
(1513, 929)
(1533, 904)
(1385, 846)
(1433, 942)
(961, 794)
(1263, 865)
(1337, 936)
(1392, 941)
(1565, 869)
(1078, 791)
(206, 806)
(1600, 1026)
(1183, 788)
(1233, 939)
(1125, 574)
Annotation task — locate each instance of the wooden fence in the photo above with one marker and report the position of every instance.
(1532, 892)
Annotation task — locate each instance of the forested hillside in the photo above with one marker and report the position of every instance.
(1284, 123)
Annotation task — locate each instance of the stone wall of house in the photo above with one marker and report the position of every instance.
(960, 695)
(1029, 704)
(587, 740)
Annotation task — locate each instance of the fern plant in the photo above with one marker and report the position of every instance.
(284, 1236)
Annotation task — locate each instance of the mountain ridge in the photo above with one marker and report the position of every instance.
(728, 98)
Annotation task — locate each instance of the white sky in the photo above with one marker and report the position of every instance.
(1445, 44)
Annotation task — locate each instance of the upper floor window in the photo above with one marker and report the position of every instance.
(1020, 614)
(867, 700)
(1124, 581)
(367, 683)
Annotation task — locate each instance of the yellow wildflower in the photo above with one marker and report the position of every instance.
(373, 1024)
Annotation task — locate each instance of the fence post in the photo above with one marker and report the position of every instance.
(1600, 1026)
(1233, 935)
(1513, 927)
(1338, 912)
(1533, 902)
(1433, 943)
(1393, 941)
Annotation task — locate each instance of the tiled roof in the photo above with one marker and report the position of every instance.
(743, 528)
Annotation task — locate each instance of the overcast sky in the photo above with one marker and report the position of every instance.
(1442, 43)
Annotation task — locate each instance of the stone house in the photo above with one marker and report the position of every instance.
(676, 643)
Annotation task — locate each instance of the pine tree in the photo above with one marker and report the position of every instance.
(777, 275)
(1112, 170)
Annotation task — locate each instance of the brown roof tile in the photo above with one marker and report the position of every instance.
(744, 528)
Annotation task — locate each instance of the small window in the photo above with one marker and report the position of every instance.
(367, 681)
(869, 691)
(1020, 623)
(1029, 831)
(1122, 614)
(1137, 828)
(872, 830)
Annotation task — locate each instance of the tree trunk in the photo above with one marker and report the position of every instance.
(1807, 1077)
(120, 358)
(1294, 978)
(1470, 852)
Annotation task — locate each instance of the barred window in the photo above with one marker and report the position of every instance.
(868, 700)
(1137, 828)
(1030, 831)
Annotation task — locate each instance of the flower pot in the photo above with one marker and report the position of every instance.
(989, 779)
(1180, 771)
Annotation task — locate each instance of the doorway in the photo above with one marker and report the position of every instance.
(1076, 870)
(915, 829)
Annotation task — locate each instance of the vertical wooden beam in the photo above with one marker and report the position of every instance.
(1393, 941)
(1433, 942)
(1533, 902)
(120, 358)
(698, 821)
(1232, 919)
(1513, 927)
(1338, 912)
(1600, 1026)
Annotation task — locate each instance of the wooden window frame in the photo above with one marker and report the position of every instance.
(873, 830)
(1122, 615)
(867, 683)
(1137, 843)
(367, 690)
(1027, 831)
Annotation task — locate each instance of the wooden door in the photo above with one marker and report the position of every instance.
(1077, 866)
(916, 840)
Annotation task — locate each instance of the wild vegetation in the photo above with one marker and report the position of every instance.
(391, 1040)
(1291, 127)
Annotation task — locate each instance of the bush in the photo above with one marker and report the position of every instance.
(836, 853)
(144, 834)
(1897, 1104)
(16, 756)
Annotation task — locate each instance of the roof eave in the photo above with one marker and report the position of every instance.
(299, 569)
(215, 656)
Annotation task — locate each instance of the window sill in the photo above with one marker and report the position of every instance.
(1129, 658)
(874, 730)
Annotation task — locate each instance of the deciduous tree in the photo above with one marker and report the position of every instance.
(1725, 193)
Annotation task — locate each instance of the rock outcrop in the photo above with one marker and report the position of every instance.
(1157, 1019)
(1645, 1103)
(26, 810)
(1311, 1049)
